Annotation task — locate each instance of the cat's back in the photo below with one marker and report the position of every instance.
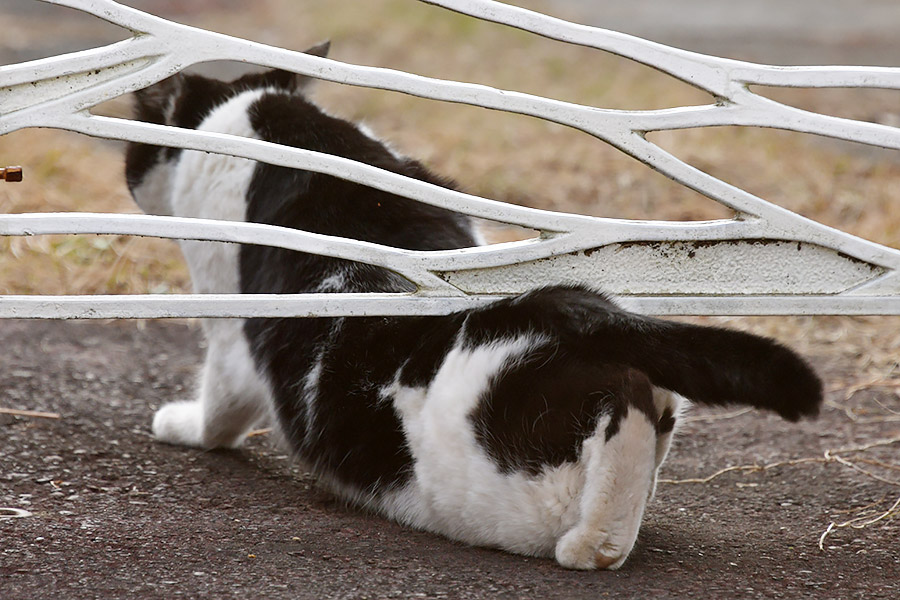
(325, 204)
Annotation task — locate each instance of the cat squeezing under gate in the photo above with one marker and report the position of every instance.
(535, 424)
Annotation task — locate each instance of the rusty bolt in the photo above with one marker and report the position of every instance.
(11, 174)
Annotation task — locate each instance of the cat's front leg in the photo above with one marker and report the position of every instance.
(180, 423)
(233, 397)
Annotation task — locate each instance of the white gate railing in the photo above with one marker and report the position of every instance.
(766, 260)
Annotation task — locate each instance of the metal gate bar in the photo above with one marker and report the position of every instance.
(766, 260)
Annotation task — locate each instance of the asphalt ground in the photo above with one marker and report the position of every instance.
(114, 514)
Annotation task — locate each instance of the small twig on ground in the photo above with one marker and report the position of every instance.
(828, 457)
(876, 382)
(878, 463)
(856, 417)
(749, 468)
(859, 509)
(871, 420)
(856, 467)
(708, 418)
(257, 432)
(860, 522)
(887, 408)
(883, 381)
(29, 413)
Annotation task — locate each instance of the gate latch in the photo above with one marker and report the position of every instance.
(11, 174)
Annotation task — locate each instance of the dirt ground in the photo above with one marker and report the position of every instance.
(115, 514)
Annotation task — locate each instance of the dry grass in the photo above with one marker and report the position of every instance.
(68, 173)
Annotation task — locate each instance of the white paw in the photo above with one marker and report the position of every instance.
(593, 550)
(179, 423)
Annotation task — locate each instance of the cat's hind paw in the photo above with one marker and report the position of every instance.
(578, 551)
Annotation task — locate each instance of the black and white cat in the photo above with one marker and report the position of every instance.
(536, 424)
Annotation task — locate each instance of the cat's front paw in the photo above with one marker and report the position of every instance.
(578, 550)
(179, 423)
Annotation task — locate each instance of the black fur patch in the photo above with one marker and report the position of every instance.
(436, 336)
(537, 414)
(184, 100)
(355, 435)
(666, 422)
(332, 206)
(180, 100)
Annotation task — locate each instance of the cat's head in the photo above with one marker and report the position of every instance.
(184, 100)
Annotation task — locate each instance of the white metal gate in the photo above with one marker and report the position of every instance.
(765, 260)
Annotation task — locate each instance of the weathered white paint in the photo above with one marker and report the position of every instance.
(766, 260)
(682, 268)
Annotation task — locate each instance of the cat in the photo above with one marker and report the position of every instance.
(536, 424)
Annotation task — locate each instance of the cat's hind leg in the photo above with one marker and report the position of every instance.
(618, 478)
(233, 397)
(669, 406)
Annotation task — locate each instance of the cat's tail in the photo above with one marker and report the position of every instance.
(709, 365)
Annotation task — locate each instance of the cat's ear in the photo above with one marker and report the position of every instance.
(319, 49)
(155, 104)
(303, 82)
(294, 82)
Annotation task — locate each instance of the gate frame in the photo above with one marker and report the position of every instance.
(823, 270)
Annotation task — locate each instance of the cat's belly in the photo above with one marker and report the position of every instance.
(521, 513)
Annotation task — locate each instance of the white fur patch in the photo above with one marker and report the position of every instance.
(335, 282)
(616, 490)
(367, 131)
(233, 396)
(676, 404)
(214, 186)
